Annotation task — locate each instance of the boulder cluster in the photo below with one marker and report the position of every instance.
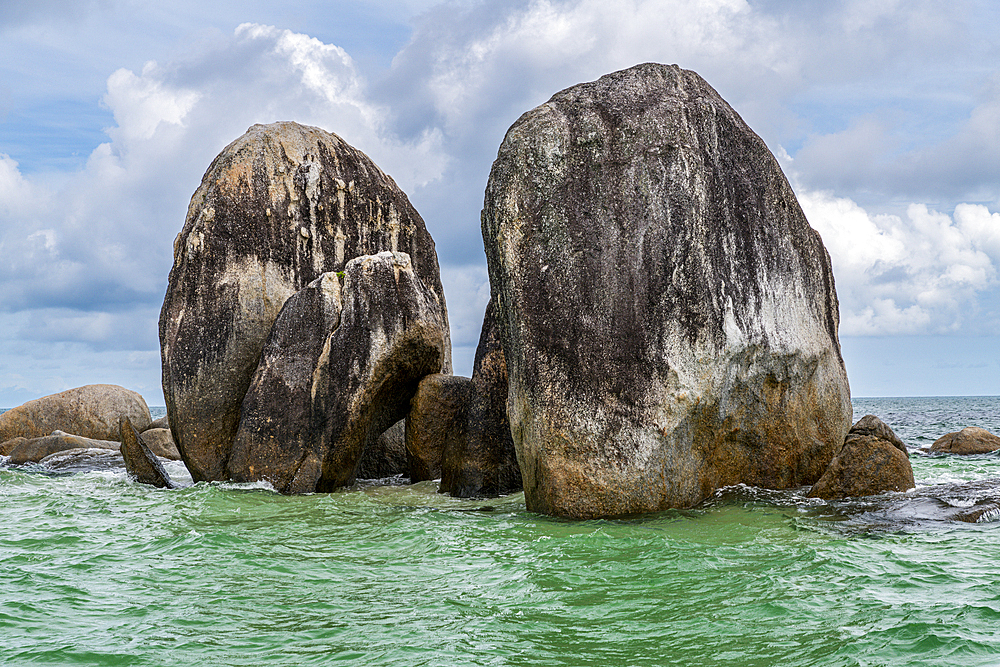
(663, 320)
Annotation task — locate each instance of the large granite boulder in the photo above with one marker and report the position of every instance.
(339, 368)
(484, 462)
(667, 314)
(873, 460)
(91, 411)
(970, 440)
(279, 207)
(33, 450)
(436, 423)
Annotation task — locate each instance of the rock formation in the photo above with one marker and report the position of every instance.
(483, 462)
(329, 383)
(436, 422)
(161, 443)
(33, 450)
(970, 440)
(140, 463)
(279, 207)
(91, 411)
(667, 315)
(872, 460)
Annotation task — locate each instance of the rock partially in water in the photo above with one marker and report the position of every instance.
(436, 423)
(970, 440)
(83, 460)
(484, 462)
(33, 450)
(90, 411)
(140, 463)
(306, 424)
(865, 466)
(386, 457)
(667, 314)
(279, 207)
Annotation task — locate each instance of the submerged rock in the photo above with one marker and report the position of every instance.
(436, 423)
(33, 450)
(970, 440)
(668, 316)
(141, 463)
(90, 411)
(484, 462)
(279, 207)
(83, 460)
(314, 406)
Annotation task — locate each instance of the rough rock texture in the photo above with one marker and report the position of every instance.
(667, 314)
(33, 450)
(277, 208)
(866, 465)
(970, 440)
(140, 463)
(436, 423)
(484, 462)
(161, 443)
(387, 456)
(162, 422)
(305, 424)
(91, 411)
(871, 425)
(83, 460)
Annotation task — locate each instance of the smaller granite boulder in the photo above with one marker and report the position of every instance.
(970, 440)
(436, 423)
(141, 463)
(162, 422)
(484, 462)
(865, 466)
(83, 460)
(386, 457)
(90, 412)
(33, 450)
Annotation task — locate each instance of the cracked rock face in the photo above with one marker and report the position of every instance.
(667, 314)
(279, 207)
(339, 368)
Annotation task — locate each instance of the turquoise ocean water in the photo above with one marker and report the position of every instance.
(98, 570)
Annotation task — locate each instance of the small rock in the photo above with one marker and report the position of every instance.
(970, 440)
(865, 466)
(386, 457)
(83, 460)
(162, 422)
(141, 463)
(436, 422)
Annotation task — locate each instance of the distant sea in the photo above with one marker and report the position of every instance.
(98, 570)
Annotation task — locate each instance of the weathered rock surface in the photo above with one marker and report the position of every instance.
(484, 462)
(162, 422)
(970, 440)
(91, 411)
(436, 422)
(867, 465)
(314, 406)
(161, 443)
(667, 314)
(277, 208)
(871, 425)
(140, 463)
(387, 456)
(33, 450)
(83, 460)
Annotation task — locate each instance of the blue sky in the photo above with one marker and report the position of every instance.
(885, 115)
